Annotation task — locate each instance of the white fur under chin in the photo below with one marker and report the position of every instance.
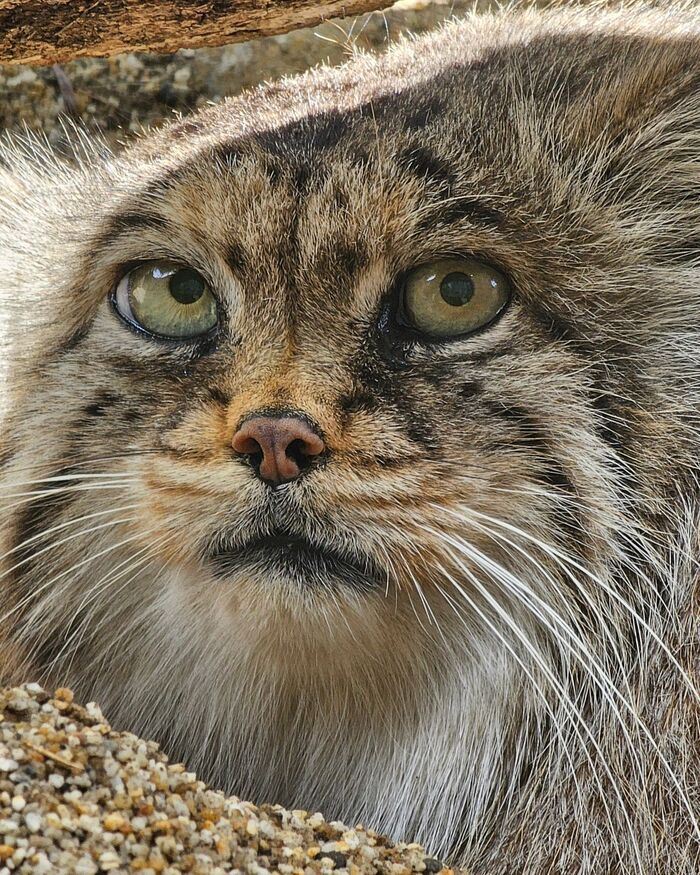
(412, 750)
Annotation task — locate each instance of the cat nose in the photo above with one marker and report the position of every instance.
(279, 448)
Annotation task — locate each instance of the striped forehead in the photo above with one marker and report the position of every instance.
(301, 212)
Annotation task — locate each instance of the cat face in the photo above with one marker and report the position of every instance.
(328, 393)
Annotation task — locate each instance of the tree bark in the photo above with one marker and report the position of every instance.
(42, 32)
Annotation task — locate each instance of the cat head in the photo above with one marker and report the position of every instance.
(355, 394)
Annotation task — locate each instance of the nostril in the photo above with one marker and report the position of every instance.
(298, 452)
(278, 448)
(245, 444)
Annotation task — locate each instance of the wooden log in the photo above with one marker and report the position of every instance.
(43, 32)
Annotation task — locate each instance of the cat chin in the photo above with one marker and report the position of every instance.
(294, 562)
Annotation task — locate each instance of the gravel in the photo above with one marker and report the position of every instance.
(78, 798)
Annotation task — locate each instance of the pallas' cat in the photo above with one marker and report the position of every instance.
(350, 438)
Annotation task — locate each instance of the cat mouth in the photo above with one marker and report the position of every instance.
(295, 557)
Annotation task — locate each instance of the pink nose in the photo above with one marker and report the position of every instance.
(278, 447)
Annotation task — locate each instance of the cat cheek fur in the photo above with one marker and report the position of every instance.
(492, 666)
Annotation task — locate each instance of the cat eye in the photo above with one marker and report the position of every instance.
(453, 297)
(166, 299)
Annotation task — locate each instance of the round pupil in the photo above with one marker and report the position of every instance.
(456, 289)
(186, 286)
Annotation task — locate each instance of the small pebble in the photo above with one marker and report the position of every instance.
(120, 807)
(109, 860)
(33, 821)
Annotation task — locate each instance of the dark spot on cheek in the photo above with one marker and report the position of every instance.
(530, 433)
(680, 251)
(553, 474)
(110, 401)
(470, 390)
(419, 430)
(36, 517)
(132, 413)
(613, 424)
(229, 154)
(102, 404)
(73, 340)
(168, 422)
(219, 396)
(340, 198)
(7, 455)
(303, 174)
(556, 326)
(274, 172)
(358, 401)
(360, 158)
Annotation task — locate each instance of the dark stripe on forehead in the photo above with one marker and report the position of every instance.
(132, 222)
(466, 207)
(424, 113)
(317, 133)
(427, 166)
(456, 208)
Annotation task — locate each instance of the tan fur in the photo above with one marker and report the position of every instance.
(515, 682)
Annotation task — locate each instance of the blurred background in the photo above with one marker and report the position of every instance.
(122, 94)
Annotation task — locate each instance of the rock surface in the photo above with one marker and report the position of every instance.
(77, 798)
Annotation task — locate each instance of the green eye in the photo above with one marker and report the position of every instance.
(167, 299)
(453, 297)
